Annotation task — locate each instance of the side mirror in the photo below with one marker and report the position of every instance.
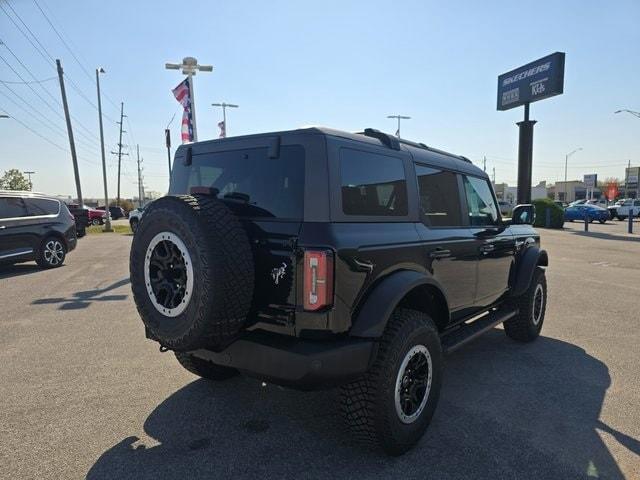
(524, 214)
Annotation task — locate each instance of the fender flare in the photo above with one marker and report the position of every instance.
(531, 258)
(373, 315)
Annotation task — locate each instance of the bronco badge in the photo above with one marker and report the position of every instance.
(279, 273)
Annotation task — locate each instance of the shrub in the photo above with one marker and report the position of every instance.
(557, 213)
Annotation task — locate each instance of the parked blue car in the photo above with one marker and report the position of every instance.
(578, 212)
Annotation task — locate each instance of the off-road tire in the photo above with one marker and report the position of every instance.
(133, 223)
(368, 403)
(222, 266)
(43, 256)
(205, 369)
(523, 327)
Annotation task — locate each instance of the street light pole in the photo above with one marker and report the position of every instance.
(632, 112)
(224, 113)
(107, 221)
(399, 117)
(566, 160)
(190, 67)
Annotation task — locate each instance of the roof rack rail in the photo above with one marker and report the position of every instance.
(389, 140)
(394, 142)
(435, 150)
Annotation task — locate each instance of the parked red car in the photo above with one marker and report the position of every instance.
(96, 217)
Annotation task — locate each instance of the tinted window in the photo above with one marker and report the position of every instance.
(439, 197)
(248, 181)
(11, 207)
(372, 184)
(480, 202)
(42, 206)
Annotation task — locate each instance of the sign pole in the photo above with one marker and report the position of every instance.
(525, 157)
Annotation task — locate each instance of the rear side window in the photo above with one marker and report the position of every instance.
(439, 197)
(372, 184)
(248, 181)
(42, 206)
(12, 207)
(480, 201)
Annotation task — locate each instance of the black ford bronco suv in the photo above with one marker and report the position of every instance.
(316, 258)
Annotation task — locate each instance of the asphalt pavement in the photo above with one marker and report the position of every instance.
(84, 394)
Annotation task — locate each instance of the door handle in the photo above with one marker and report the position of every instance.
(2, 227)
(439, 253)
(487, 248)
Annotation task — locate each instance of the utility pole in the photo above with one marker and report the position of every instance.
(494, 176)
(399, 117)
(120, 153)
(140, 194)
(484, 163)
(223, 133)
(190, 67)
(72, 143)
(167, 140)
(29, 175)
(107, 221)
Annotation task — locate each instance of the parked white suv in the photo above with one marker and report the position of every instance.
(135, 216)
(623, 208)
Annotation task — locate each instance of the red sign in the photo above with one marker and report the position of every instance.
(612, 191)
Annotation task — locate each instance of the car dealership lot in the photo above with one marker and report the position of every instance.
(83, 393)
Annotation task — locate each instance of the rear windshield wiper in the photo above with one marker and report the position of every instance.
(243, 197)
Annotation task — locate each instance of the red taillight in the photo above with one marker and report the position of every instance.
(318, 279)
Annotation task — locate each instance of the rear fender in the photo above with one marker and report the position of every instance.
(373, 315)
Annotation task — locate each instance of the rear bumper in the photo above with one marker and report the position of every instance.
(293, 362)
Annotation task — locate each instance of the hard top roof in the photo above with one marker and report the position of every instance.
(419, 151)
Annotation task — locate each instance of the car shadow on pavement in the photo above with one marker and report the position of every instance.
(80, 300)
(607, 236)
(507, 411)
(16, 270)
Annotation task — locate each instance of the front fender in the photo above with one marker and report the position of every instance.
(373, 315)
(531, 258)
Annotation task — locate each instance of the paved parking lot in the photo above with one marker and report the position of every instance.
(83, 394)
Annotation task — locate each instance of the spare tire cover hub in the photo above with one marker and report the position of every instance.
(168, 274)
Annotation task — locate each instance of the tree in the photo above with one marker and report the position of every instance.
(14, 180)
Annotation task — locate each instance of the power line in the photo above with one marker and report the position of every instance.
(90, 133)
(51, 61)
(61, 36)
(28, 82)
(46, 139)
(47, 123)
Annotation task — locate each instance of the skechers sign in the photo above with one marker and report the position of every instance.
(537, 80)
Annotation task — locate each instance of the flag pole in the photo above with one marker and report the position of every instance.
(193, 106)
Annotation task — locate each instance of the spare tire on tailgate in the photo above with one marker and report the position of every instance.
(192, 272)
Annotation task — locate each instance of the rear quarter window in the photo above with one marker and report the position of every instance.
(42, 206)
(372, 184)
(248, 181)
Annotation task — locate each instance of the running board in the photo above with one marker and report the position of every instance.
(468, 331)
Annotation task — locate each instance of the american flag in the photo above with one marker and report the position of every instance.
(223, 129)
(183, 95)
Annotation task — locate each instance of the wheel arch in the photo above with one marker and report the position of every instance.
(405, 288)
(54, 234)
(532, 258)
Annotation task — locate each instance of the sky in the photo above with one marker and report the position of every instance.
(341, 64)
